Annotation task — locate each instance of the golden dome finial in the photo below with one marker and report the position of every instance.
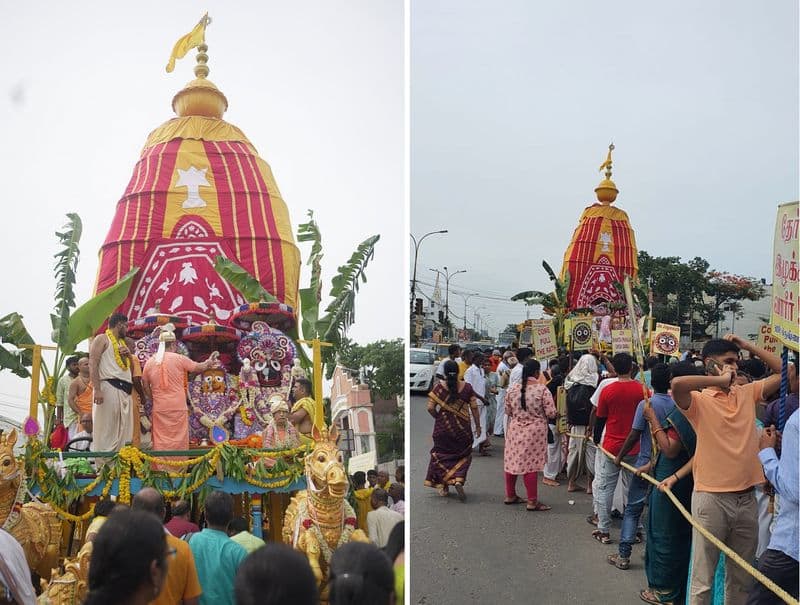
(199, 97)
(201, 69)
(607, 191)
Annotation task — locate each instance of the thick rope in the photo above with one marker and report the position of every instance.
(707, 534)
(784, 388)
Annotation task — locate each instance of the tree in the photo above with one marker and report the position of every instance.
(382, 364)
(689, 294)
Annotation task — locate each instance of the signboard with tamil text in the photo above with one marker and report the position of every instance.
(784, 279)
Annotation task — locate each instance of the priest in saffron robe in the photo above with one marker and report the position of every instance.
(164, 379)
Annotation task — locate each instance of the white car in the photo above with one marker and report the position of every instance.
(423, 366)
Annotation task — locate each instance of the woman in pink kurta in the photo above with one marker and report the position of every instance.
(165, 378)
(526, 437)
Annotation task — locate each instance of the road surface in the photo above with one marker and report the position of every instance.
(483, 551)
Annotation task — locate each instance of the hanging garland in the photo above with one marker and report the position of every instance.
(60, 490)
(122, 363)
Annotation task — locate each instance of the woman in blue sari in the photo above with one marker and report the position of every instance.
(669, 535)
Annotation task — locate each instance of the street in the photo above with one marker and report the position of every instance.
(485, 551)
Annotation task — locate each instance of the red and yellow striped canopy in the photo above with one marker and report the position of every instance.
(198, 191)
(602, 251)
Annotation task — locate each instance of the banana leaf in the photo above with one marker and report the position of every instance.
(65, 269)
(242, 280)
(340, 313)
(13, 332)
(310, 297)
(86, 319)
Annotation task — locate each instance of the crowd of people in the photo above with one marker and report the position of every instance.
(710, 427)
(136, 559)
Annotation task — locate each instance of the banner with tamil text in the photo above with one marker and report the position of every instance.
(784, 279)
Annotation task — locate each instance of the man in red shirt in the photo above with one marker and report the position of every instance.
(180, 524)
(615, 411)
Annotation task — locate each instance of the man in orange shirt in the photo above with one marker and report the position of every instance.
(726, 464)
(181, 584)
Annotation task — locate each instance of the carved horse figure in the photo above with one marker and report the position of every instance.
(318, 519)
(72, 586)
(34, 525)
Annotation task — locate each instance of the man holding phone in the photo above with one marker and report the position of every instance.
(726, 463)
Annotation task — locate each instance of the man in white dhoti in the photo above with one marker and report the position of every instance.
(475, 377)
(110, 374)
(503, 375)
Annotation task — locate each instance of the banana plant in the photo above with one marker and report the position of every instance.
(68, 328)
(553, 303)
(338, 315)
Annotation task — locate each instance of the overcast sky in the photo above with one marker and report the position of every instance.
(316, 86)
(514, 103)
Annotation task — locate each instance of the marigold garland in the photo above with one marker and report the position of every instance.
(130, 460)
(122, 363)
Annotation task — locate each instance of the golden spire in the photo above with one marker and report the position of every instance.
(200, 97)
(607, 191)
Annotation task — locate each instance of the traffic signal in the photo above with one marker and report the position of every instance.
(418, 306)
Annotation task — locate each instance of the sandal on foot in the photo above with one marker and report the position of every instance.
(639, 538)
(516, 500)
(619, 562)
(648, 596)
(602, 537)
(444, 492)
(592, 520)
(537, 506)
(550, 482)
(460, 491)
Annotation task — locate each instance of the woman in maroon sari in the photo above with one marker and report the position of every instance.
(450, 404)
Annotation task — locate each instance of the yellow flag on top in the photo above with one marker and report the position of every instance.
(191, 40)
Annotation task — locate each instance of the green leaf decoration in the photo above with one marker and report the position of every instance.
(340, 313)
(87, 318)
(14, 333)
(242, 280)
(65, 269)
(310, 297)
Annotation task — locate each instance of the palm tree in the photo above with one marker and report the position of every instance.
(553, 303)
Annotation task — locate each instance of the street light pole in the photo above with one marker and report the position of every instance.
(466, 297)
(447, 276)
(417, 244)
